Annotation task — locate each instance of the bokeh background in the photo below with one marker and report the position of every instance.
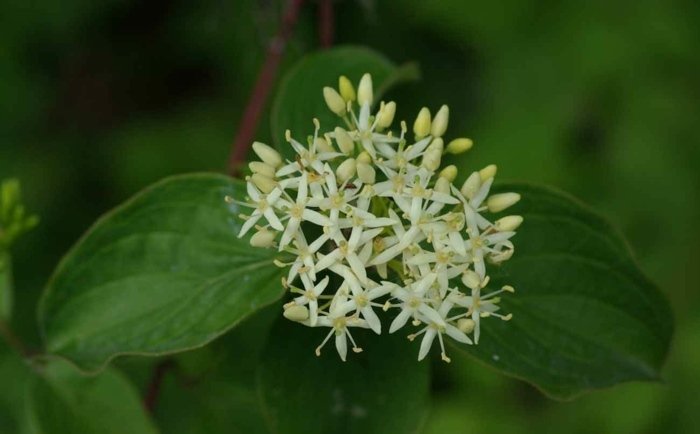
(599, 98)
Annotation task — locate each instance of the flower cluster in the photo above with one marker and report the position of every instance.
(372, 223)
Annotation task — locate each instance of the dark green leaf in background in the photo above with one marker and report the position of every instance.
(380, 390)
(584, 316)
(300, 96)
(213, 389)
(164, 272)
(60, 400)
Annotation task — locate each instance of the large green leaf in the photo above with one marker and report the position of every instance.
(381, 390)
(300, 97)
(164, 272)
(584, 316)
(62, 401)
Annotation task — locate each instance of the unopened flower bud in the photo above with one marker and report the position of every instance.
(471, 279)
(334, 101)
(262, 168)
(365, 172)
(267, 154)
(499, 202)
(264, 183)
(466, 325)
(488, 172)
(345, 142)
(386, 115)
(296, 312)
(471, 185)
(449, 172)
(440, 122)
(442, 185)
(508, 223)
(347, 90)
(346, 170)
(364, 157)
(433, 155)
(262, 238)
(365, 93)
(457, 146)
(421, 127)
(322, 145)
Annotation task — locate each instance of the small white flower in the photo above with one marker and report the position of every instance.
(263, 206)
(309, 297)
(339, 322)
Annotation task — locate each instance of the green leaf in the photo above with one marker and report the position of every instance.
(14, 375)
(212, 389)
(61, 400)
(300, 96)
(381, 390)
(584, 316)
(164, 272)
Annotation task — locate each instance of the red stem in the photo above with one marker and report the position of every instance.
(326, 23)
(151, 397)
(262, 88)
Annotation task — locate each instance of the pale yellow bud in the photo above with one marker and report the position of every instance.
(471, 185)
(457, 146)
(440, 122)
(364, 157)
(347, 90)
(471, 279)
(346, 170)
(296, 312)
(449, 172)
(262, 168)
(442, 185)
(345, 142)
(262, 238)
(509, 223)
(334, 101)
(322, 145)
(499, 202)
(466, 325)
(264, 183)
(365, 172)
(488, 172)
(433, 155)
(267, 154)
(421, 127)
(365, 93)
(386, 115)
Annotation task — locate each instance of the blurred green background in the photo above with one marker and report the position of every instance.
(599, 98)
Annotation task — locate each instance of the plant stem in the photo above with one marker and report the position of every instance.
(262, 88)
(13, 341)
(326, 24)
(151, 398)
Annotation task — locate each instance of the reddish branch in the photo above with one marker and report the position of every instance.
(14, 342)
(151, 397)
(325, 23)
(263, 85)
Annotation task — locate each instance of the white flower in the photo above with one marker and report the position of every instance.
(339, 321)
(310, 297)
(263, 206)
(438, 329)
(381, 209)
